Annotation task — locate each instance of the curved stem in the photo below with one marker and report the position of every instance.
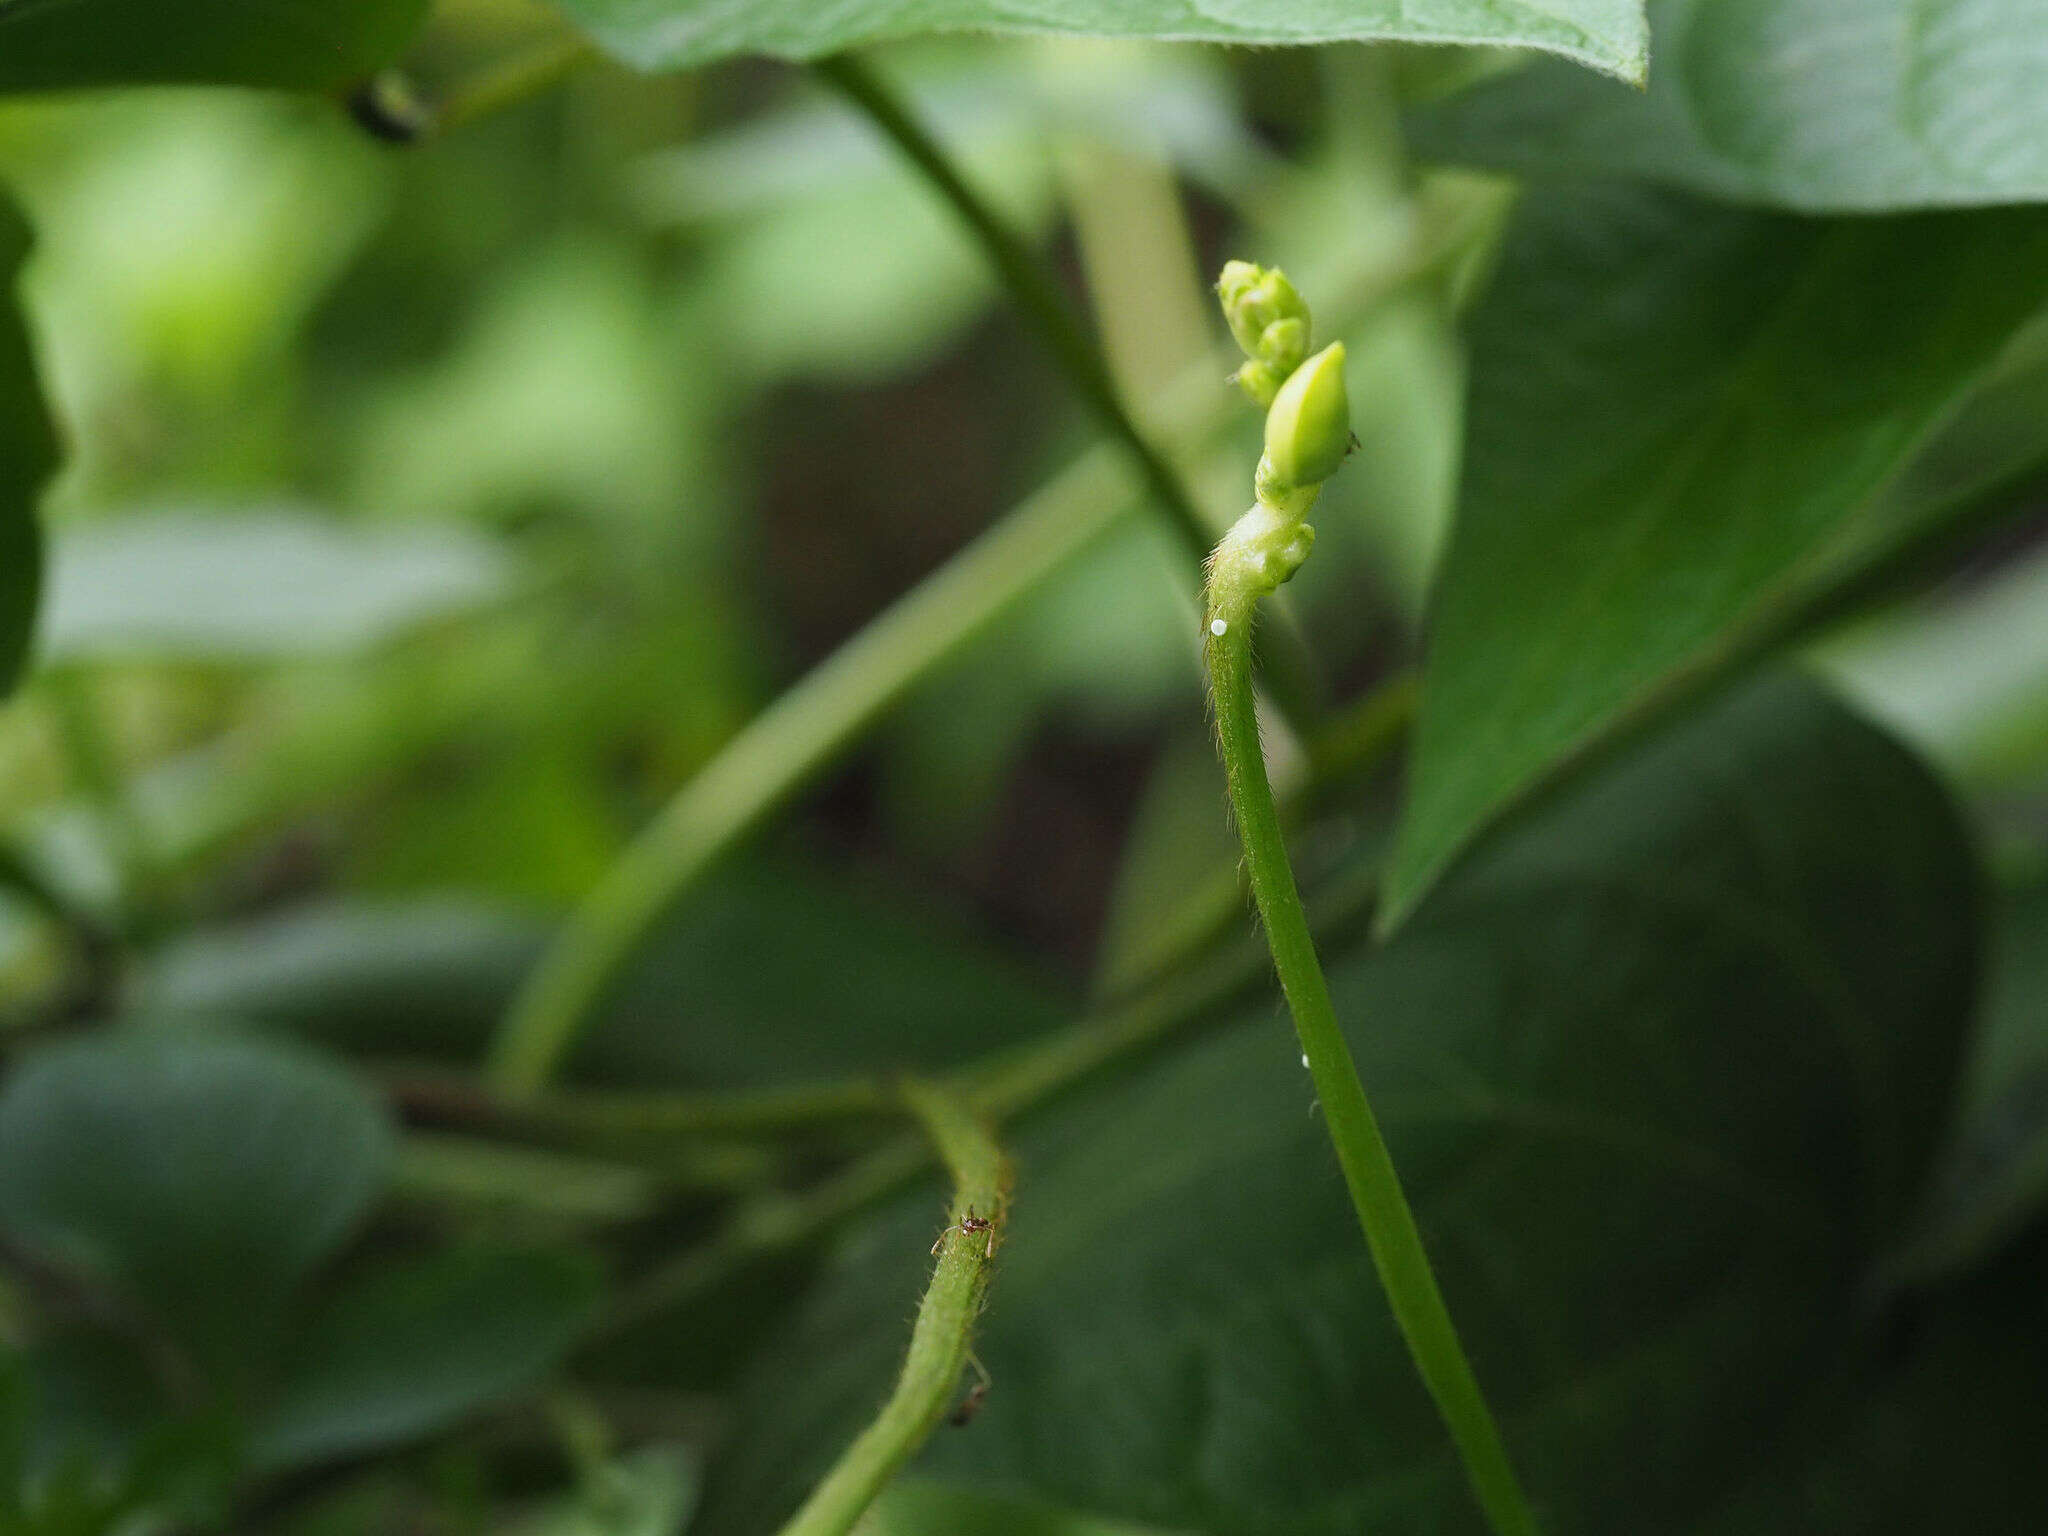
(940, 1338)
(788, 744)
(1390, 1231)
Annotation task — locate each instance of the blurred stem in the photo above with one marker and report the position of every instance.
(944, 1330)
(1289, 671)
(508, 81)
(807, 728)
(1375, 1187)
(1191, 989)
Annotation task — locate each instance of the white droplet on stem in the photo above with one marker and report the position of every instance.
(1304, 1060)
(1219, 627)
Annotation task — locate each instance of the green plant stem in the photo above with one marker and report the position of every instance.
(788, 744)
(507, 82)
(944, 1330)
(1390, 1230)
(1289, 671)
(806, 730)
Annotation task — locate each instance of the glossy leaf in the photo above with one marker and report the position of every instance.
(1820, 105)
(410, 1350)
(203, 1175)
(50, 45)
(1681, 420)
(28, 453)
(672, 34)
(1659, 1072)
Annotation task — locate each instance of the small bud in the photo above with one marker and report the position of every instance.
(1266, 315)
(1308, 429)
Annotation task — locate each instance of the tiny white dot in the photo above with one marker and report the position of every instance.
(1219, 627)
(1304, 1061)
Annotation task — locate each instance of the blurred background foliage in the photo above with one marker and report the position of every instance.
(431, 513)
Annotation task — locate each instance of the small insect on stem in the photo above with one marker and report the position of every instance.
(970, 1224)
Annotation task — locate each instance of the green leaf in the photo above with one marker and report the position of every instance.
(648, 1493)
(256, 583)
(1994, 1178)
(28, 453)
(1659, 1072)
(1820, 105)
(203, 1175)
(1609, 35)
(413, 1349)
(49, 45)
(1681, 420)
(774, 972)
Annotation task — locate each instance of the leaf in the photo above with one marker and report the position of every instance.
(28, 453)
(412, 1349)
(1994, 1179)
(1681, 418)
(1609, 35)
(773, 972)
(1659, 1072)
(49, 45)
(203, 1175)
(256, 583)
(1820, 105)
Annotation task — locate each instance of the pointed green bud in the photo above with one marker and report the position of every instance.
(1308, 429)
(1266, 315)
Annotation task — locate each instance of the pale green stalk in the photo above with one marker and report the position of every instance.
(1307, 436)
(943, 1334)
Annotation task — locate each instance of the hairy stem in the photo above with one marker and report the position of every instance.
(944, 1330)
(1390, 1231)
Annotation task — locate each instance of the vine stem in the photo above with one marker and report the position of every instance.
(943, 1333)
(1390, 1230)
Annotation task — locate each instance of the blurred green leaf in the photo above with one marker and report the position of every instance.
(1821, 105)
(48, 45)
(915, 1507)
(774, 972)
(1994, 1178)
(203, 1175)
(28, 452)
(648, 1493)
(1609, 35)
(255, 583)
(1660, 1071)
(1680, 418)
(412, 1349)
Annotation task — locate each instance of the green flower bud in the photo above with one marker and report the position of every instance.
(1308, 429)
(1266, 315)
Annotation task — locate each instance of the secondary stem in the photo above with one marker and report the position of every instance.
(940, 1338)
(1390, 1230)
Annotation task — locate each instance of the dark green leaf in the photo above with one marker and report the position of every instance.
(1681, 418)
(202, 1175)
(1821, 105)
(48, 45)
(774, 972)
(673, 34)
(646, 1494)
(411, 1350)
(28, 452)
(1659, 1072)
(1995, 1177)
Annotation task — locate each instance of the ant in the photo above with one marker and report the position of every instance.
(970, 1224)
